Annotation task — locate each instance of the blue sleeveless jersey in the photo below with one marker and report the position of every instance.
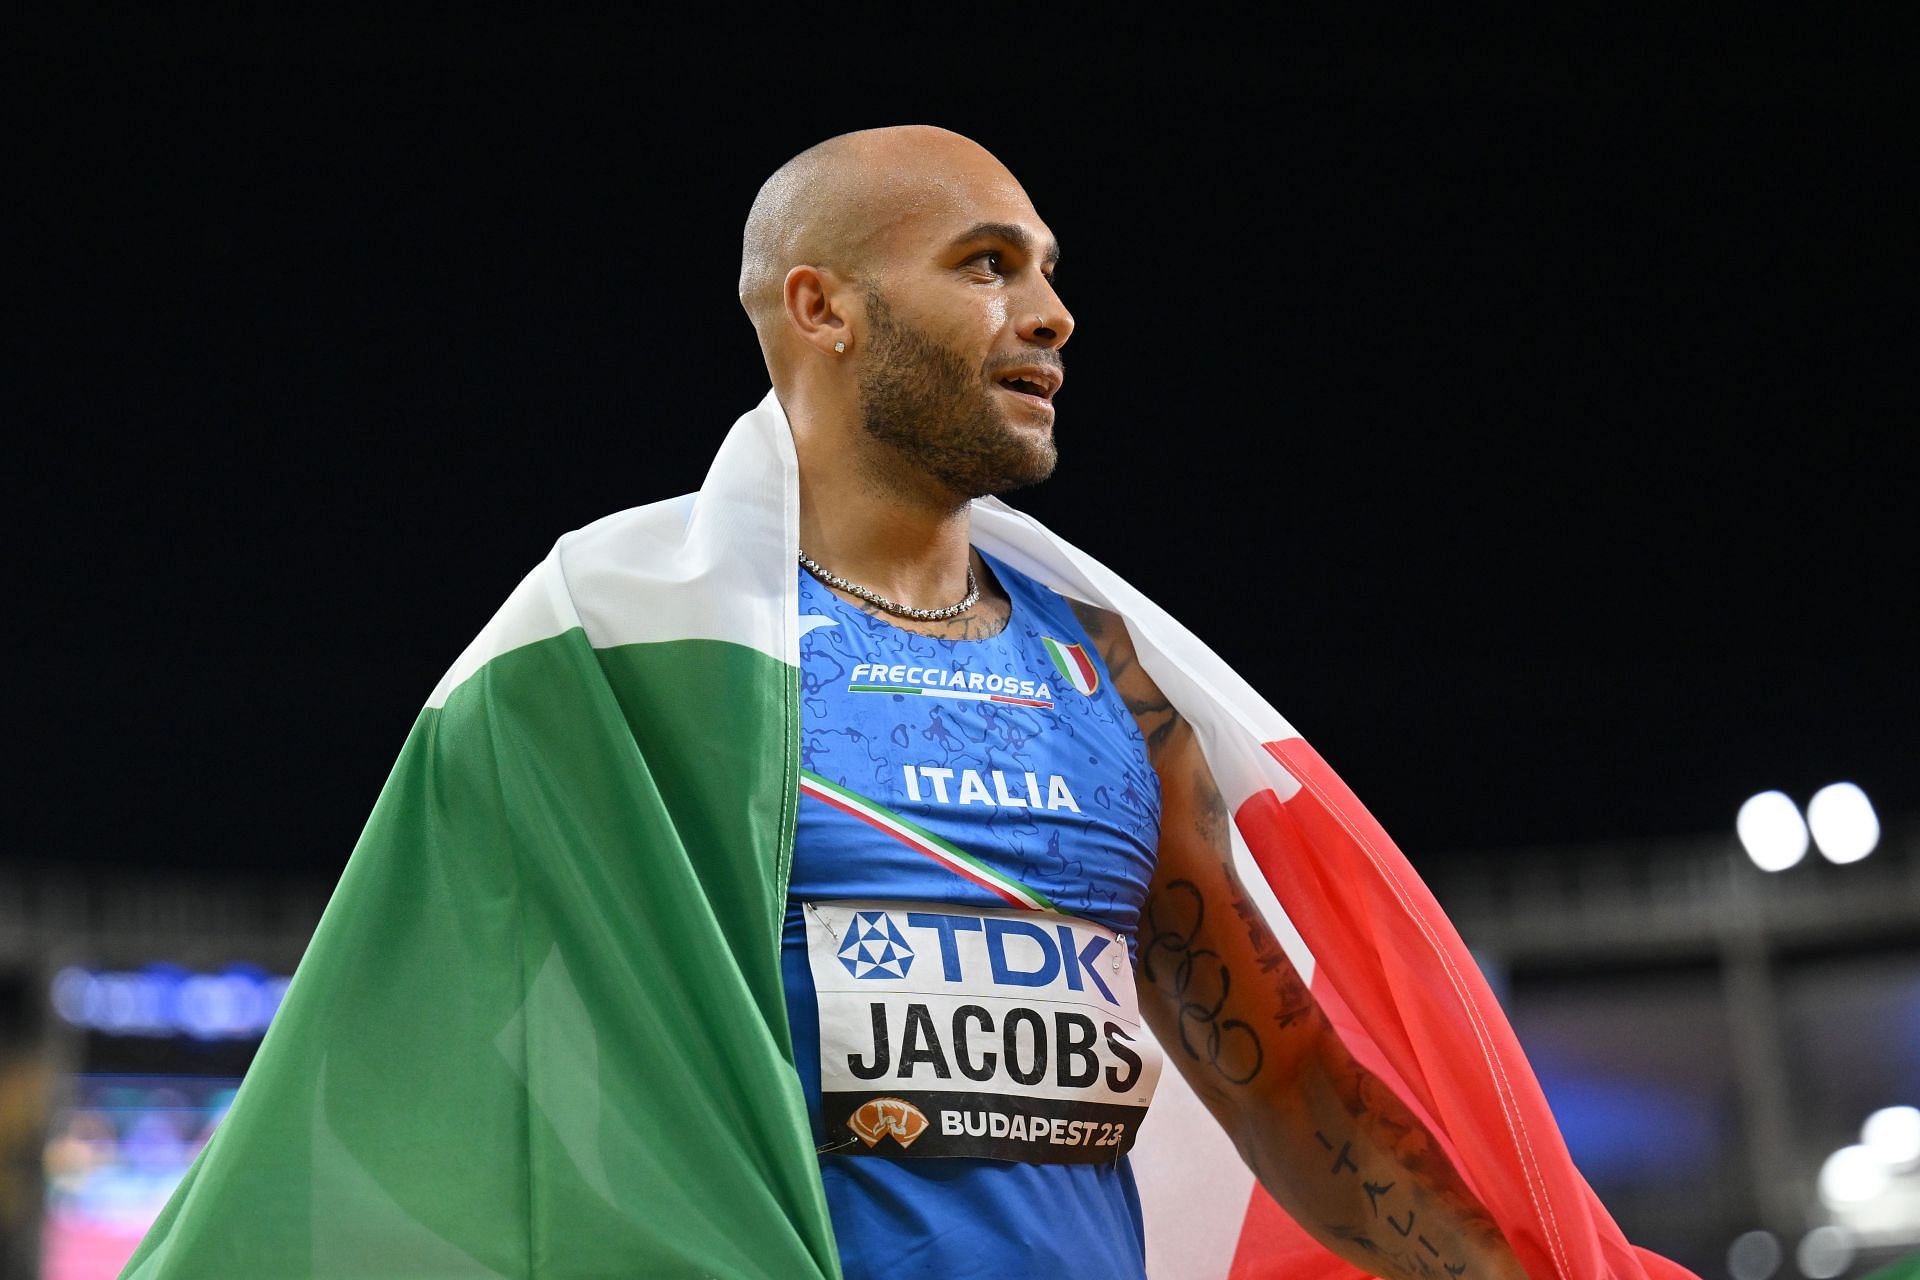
(1016, 750)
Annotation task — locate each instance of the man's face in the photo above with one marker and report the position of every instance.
(963, 336)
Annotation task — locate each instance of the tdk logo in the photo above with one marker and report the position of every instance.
(1018, 953)
(874, 947)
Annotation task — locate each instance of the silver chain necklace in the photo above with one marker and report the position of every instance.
(904, 610)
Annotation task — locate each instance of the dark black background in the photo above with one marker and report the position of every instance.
(1525, 412)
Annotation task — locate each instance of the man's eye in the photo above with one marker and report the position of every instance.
(989, 263)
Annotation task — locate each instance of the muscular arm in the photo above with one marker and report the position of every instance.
(1326, 1138)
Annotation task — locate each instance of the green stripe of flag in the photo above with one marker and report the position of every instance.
(1059, 659)
(484, 1065)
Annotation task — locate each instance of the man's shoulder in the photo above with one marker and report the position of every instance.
(645, 534)
(679, 569)
(1096, 620)
(570, 587)
(665, 517)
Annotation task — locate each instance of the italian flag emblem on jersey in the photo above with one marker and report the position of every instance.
(1075, 667)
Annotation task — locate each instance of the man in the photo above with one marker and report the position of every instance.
(763, 892)
(901, 284)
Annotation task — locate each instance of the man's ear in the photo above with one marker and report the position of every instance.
(816, 302)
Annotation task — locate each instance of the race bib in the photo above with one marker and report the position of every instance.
(956, 1031)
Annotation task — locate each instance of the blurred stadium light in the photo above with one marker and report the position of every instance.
(1709, 1033)
(1893, 1135)
(1772, 831)
(1753, 1255)
(1843, 821)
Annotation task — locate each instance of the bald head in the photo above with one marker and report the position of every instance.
(901, 284)
(837, 206)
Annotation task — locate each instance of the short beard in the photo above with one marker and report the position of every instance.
(938, 414)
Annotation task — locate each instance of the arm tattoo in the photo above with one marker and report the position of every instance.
(1397, 1131)
(1404, 1248)
(1210, 816)
(1156, 717)
(1198, 982)
(1394, 1131)
(1295, 1002)
(1390, 1228)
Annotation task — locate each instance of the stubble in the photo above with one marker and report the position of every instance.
(936, 413)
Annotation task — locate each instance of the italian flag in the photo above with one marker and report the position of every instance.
(1071, 661)
(540, 1030)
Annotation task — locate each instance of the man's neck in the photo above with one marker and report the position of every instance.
(914, 552)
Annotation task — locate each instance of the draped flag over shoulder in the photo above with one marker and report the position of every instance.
(540, 1030)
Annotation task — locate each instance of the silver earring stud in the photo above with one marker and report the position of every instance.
(840, 347)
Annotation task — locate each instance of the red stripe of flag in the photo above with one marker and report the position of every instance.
(1087, 672)
(1387, 960)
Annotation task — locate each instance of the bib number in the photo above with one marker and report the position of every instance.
(957, 1031)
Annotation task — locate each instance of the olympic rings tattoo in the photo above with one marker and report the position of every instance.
(1170, 938)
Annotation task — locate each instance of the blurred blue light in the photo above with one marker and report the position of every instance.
(1910, 1034)
(237, 1003)
(1630, 1131)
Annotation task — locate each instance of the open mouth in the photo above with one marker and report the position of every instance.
(1040, 383)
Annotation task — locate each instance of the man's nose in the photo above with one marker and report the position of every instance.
(1047, 322)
